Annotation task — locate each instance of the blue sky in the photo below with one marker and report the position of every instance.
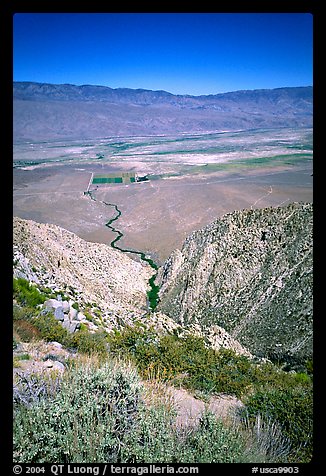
(183, 53)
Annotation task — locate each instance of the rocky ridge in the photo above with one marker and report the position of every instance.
(250, 273)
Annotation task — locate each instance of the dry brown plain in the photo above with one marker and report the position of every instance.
(156, 215)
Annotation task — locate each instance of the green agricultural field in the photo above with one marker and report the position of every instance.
(120, 177)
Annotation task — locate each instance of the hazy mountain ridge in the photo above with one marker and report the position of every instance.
(49, 111)
(249, 272)
(68, 92)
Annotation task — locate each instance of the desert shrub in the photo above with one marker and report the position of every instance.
(201, 367)
(153, 439)
(22, 313)
(27, 294)
(281, 398)
(156, 439)
(264, 439)
(292, 409)
(269, 376)
(86, 421)
(90, 343)
(50, 329)
(31, 387)
(212, 442)
(96, 414)
(26, 331)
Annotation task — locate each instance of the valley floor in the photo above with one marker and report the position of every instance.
(193, 179)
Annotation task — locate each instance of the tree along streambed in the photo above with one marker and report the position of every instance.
(152, 294)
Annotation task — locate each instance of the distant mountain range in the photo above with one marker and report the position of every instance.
(64, 111)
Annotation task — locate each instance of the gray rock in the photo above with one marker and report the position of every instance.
(65, 306)
(58, 366)
(80, 317)
(71, 326)
(56, 344)
(48, 364)
(54, 365)
(58, 313)
(73, 313)
(52, 303)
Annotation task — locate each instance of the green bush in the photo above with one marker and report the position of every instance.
(88, 343)
(51, 330)
(27, 294)
(201, 367)
(292, 409)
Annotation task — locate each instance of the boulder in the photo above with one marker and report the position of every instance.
(72, 313)
(71, 326)
(80, 317)
(65, 307)
(52, 304)
(54, 365)
(58, 366)
(58, 313)
(56, 344)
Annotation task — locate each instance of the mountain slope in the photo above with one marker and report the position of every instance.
(49, 111)
(94, 272)
(107, 284)
(249, 272)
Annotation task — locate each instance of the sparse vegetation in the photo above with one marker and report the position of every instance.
(197, 367)
(97, 413)
(281, 398)
(98, 409)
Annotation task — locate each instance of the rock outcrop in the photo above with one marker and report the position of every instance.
(250, 273)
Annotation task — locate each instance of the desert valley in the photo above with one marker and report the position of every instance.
(170, 229)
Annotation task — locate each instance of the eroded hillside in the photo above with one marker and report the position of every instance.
(91, 272)
(108, 288)
(249, 272)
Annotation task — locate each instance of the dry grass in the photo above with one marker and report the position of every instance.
(263, 439)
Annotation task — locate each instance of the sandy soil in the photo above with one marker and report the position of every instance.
(190, 410)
